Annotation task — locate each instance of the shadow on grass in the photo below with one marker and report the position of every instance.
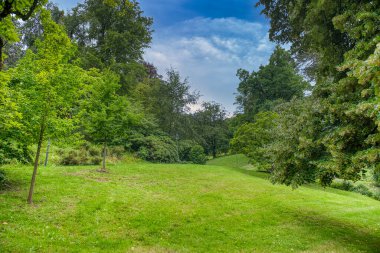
(259, 174)
(12, 185)
(344, 233)
(329, 228)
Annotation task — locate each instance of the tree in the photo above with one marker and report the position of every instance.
(211, 127)
(106, 117)
(168, 100)
(10, 124)
(49, 85)
(270, 85)
(339, 39)
(111, 34)
(20, 10)
(253, 139)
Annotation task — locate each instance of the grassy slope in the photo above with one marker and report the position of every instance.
(182, 208)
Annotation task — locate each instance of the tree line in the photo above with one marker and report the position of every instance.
(327, 127)
(80, 79)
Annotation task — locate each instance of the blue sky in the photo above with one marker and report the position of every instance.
(207, 41)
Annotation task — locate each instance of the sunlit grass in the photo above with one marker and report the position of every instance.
(144, 207)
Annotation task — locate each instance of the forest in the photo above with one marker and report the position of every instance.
(99, 152)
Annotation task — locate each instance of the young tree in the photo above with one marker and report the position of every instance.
(18, 9)
(106, 116)
(49, 85)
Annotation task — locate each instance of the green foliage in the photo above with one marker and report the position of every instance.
(88, 154)
(15, 10)
(338, 41)
(80, 156)
(272, 84)
(184, 149)
(48, 83)
(105, 116)
(112, 31)
(211, 128)
(159, 149)
(14, 151)
(197, 155)
(3, 180)
(111, 35)
(252, 139)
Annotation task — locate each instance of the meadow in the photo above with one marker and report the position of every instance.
(144, 207)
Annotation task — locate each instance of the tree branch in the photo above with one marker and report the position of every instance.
(8, 10)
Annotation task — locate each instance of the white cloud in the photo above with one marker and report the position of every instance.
(209, 52)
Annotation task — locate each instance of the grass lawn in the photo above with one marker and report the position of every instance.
(145, 207)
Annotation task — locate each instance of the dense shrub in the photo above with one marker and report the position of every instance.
(376, 177)
(13, 151)
(88, 155)
(345, 185)
(160, 149)
(184, 149)
(362, 189)
(3, 179)
(197, 155)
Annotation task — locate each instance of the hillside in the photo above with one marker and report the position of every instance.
(180, 208)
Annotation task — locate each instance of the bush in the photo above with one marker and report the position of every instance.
(197, 155)
(160, 149)
(3, 179)
(13, 151)
(345, 185)
(362, 189)
(376, 177)
(185, 149)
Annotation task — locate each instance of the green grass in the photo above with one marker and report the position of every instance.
(233, 161)
(144, 207)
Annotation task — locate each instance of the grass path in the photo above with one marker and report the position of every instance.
(180, 208)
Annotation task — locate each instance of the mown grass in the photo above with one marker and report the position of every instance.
(233, 161)
(144, 207)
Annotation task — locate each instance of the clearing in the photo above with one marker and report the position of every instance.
(144, 207)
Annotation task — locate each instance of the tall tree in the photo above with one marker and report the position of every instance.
(20, 10)
(110, 34)
(339, 39)
(169, 101)
(272, 84)
(211, 126)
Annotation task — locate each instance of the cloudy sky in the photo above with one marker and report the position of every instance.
(206, 41)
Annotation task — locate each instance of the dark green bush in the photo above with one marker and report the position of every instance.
(12, 151)
(197, 155)
(88, 154)
(3, 179)
(345, 185)
(184, 149)
(160, 149)
(362, 189)
(376, 177)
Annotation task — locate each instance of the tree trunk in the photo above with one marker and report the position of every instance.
(36, 161)
(104, 157)
(2, 44)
